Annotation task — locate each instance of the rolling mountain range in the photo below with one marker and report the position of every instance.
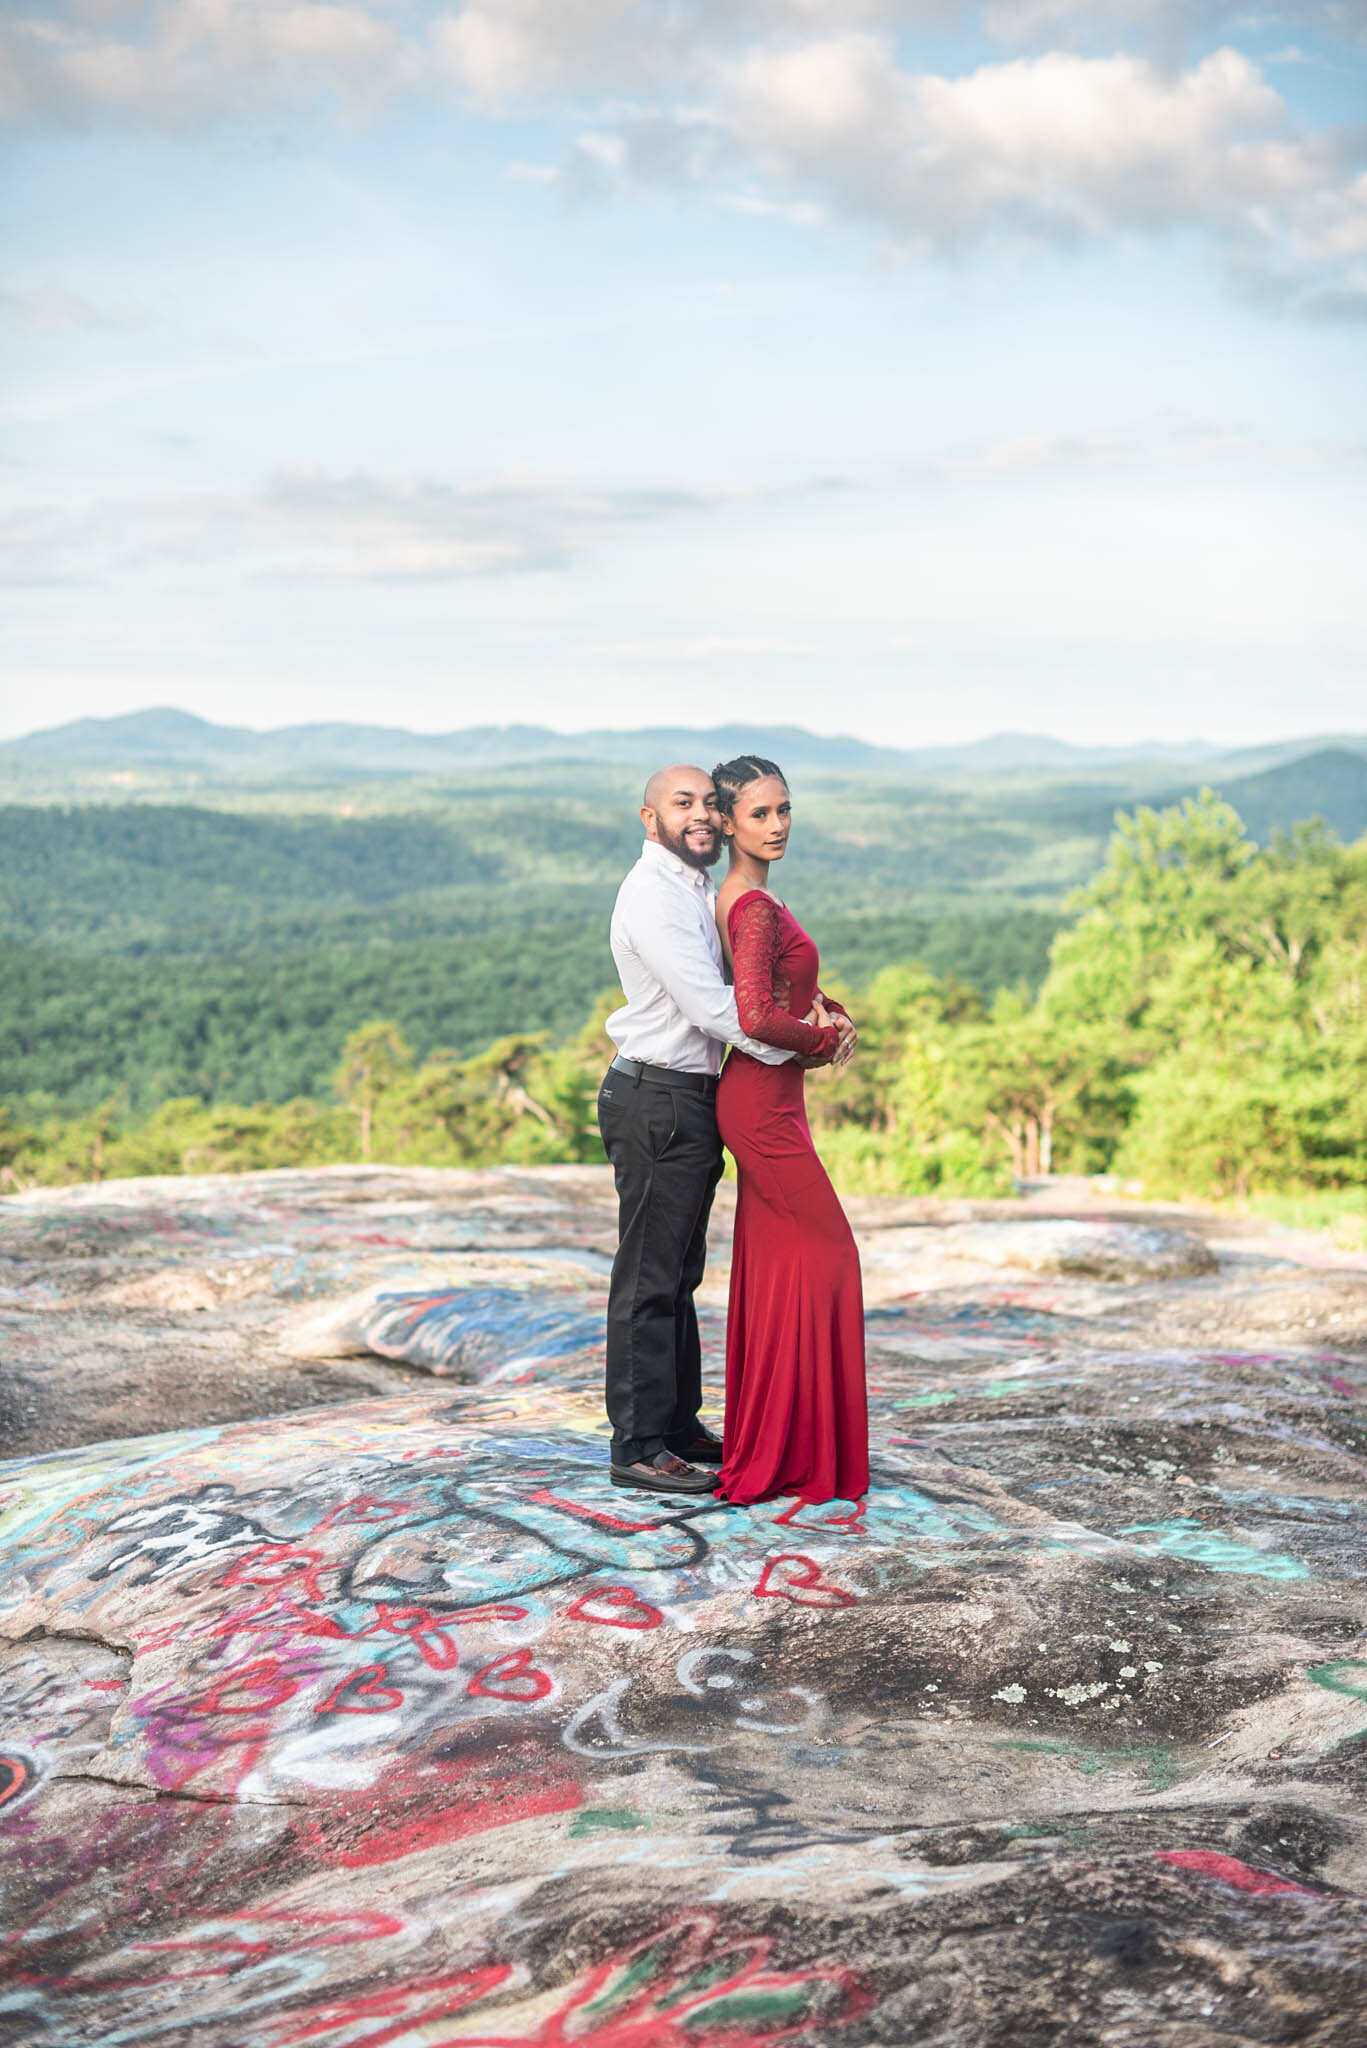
(174, 743)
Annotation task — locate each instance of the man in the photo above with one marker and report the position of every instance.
(657, 1114)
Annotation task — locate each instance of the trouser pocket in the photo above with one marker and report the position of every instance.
(663, 1122)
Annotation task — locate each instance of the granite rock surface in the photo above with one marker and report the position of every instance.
(343, 1701)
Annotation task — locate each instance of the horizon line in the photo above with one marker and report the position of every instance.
(1137, 746)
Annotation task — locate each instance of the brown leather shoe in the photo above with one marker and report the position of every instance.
(664, 1473)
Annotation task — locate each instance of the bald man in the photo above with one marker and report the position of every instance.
(657, 1114)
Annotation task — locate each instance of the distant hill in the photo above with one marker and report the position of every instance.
(163, 737)
(142, 877)
(175, 740)
(1330, 783)
(1016, 753)
(168, 742)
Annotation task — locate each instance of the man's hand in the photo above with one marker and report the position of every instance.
(847, 1038)
(818, 1016)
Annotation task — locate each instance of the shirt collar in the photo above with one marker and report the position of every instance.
(696, 878)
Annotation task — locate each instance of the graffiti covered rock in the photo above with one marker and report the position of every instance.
(389, 1721)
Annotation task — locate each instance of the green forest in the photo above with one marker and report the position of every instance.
(225, 945)
(1192, 1018)
(152, 950)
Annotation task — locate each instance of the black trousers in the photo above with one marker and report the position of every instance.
(667, 1159)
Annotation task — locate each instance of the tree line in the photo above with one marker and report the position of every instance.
(1202, 1028)
(268, 1025)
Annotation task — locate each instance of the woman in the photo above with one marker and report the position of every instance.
(796, 1417)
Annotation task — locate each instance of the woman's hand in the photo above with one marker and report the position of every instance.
(819, 1017)
(849, 1039)
(847, 1036)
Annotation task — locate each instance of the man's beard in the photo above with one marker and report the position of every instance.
(686, 853)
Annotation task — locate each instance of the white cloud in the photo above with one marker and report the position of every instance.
(310, 524)
(1171, 24)
(176, 61)
(500, 50)
(1055, 148)
(711, 647)
(165, 63)
(168, 63)
(313, 525)
(50, 309)
(1166, 443)
(800, 212)
(1058, 145)
(806, 108)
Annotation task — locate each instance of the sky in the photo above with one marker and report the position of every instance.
(896, 367)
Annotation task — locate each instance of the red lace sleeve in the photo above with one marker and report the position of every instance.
(756, 935)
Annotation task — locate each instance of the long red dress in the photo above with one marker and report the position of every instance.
(796, 1413)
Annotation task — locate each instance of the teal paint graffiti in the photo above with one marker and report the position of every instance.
(1350, 1676)
(1217, 1553)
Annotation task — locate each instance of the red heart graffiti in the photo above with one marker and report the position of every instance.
(366, 1684)
(799, 1580)
(632, 1612)
(265, 1683)
(511, 1677)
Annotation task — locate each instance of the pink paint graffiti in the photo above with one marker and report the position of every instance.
(248, 1689)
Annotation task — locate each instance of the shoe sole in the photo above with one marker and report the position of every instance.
(660, 1485)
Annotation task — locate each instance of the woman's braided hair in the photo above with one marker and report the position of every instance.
(731, 777)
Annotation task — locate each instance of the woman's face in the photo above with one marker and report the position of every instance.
(761, 819)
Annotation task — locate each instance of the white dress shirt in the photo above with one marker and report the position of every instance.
(679, 1011)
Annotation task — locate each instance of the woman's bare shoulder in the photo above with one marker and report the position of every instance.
(733, 892)
(734, 887)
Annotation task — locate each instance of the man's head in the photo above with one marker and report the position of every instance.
(679, 811)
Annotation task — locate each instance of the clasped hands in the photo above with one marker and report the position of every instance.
(820, 1016)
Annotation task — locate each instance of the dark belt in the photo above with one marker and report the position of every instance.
(666, 1077)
